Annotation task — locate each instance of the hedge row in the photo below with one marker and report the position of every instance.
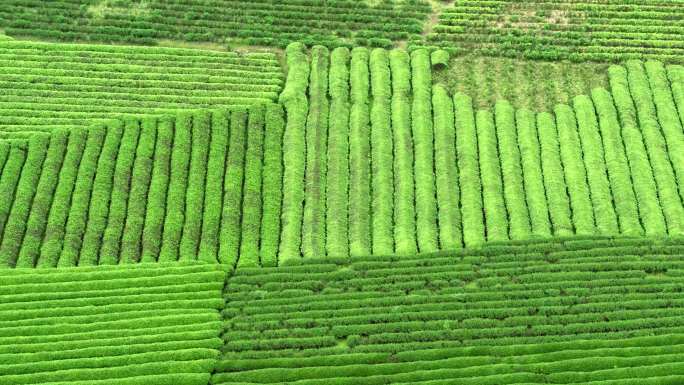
(382, 149)
(404, 193)
(469, 171)
(296, 106)
(337, 178)
(359, 155)
(423, 147)
(446, 170)
(313, 222)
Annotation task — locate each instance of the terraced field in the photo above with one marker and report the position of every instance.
(341, 192)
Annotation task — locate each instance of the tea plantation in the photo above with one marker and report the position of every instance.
(341, 192)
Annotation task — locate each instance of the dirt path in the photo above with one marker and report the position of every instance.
(437, 8)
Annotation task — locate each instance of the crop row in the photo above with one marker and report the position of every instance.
(240, 22)
(124, 325)
(144, 189)
(67, 85)
(535, 275)
(593, 311)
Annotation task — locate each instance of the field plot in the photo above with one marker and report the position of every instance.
(65, 85)
(132, 325)
(424, 170)
(262, 22)
(556, 30)
(144, 189)
(604, 311)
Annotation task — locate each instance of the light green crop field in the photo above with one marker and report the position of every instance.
(67, 85)
(341, 192)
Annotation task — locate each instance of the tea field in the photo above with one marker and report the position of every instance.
(66, 85)
(341, 192)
